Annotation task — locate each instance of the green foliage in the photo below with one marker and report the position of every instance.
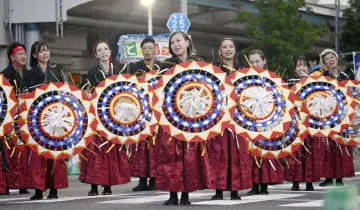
(350, 37)
(279, 29)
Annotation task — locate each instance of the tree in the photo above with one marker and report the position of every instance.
(280, 30)
(350, 37)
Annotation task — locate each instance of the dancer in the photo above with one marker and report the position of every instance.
(45, 173)
(265, 173)
(100, 164)
(178, 161)
(142, 161)
(228, 154)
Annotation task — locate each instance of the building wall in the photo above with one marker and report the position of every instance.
(70, 51)
(4, 37)
(3, 58)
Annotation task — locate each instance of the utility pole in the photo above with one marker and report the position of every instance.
(184, 9)
(337, 11)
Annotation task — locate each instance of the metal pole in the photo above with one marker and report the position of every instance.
(184, 9)
(150, 24)
(337, 8)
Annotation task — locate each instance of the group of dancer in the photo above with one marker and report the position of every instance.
(161, 162)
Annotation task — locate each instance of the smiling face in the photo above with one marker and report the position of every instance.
(330, 61)
(257, 61)
(148, 50)
(301, 68)
(103, 52)
(43, 55)
(179, 45)
(227, 50)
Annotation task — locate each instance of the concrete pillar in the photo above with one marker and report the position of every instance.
(3, 58)
(4, 36)
(32, 34)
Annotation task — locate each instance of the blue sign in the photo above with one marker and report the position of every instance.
(178, 22)
(356, 60)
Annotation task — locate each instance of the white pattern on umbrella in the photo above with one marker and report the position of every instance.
(126, 112)
(259, 101)
(57, 121)
(321, 105)
(194, 102)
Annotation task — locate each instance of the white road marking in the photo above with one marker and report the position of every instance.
(14, 199)
(248, 199)
(62, 199)
(151, 199)
(315, 203)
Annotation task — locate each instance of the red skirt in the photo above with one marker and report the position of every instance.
(336, 159)
(142, 161)
(103, 166)
(181, 166)
(46, 173)
(229, 163)
(267, 174)
(3, 182)
(18, 167)
(308, 169)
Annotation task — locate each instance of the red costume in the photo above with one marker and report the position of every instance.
(17, 175)
(180, 168)
(336, 160)
(103, 165)
(142, 160)
(306, 167)
(230, 165)
(267, 174)
(3, 182)
(46, 173)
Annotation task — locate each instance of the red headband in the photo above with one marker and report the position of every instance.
(17, 49)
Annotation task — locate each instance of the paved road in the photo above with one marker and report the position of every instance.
(74, 197)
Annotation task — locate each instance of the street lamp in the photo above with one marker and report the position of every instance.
(148, 4)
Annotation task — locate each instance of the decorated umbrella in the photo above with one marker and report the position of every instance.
(325, 106)
(263, 111)
(8, 106)
(123, 109)
(282, 146)
(153, 76)
(56, 120)
(351, 135)
(189, 101)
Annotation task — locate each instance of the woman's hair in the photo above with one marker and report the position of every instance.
(11, 49)
(301, 58)
(97, 44)
(35, 49)
(190, 49)
(325, 53)
(236, 56)
(313, 56)
(259, 52)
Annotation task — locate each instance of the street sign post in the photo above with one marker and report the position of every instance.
(178, 22)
